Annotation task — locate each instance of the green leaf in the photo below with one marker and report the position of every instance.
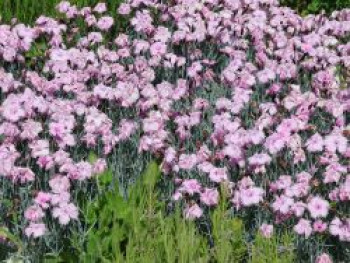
(152, 174)
(105, 178)
(145, 184)
(92, 157)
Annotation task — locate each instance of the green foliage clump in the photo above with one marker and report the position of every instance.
(134, 229)
(306, 7)
(277, 249)
(27, 11)
(228, 234)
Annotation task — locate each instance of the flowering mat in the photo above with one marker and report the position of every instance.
(244, 97)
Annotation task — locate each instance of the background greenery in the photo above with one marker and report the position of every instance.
(305, 7)
(28, 10)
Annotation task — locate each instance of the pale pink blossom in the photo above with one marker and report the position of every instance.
(251, 196)
(65, 212)
(190, 186)
(319, 226)
(324, 258)
(315, 143)
(105, 23)
(266, 230)
(209, 197)
(318, 207)
(59, 184)
(303, 227)
(34, 213)
(193, 212)
(35, 229)
(218, 175)
(100, 8)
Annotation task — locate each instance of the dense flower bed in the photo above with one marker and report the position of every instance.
(243, 94)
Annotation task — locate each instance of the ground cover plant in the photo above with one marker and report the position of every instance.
(242, 99)
(27, 11)
(305, 7)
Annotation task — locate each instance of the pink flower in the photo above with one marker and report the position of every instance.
(30, 129)
(105, 23)
(303, 227)
(43, 199)
(218, 175)
(170, 155)
(65, 212)
(314, 143)
(193, 212)
(162, 34)
(318, 207)
(99, 166)
(324, 258)
(251, 196)
(60, 198)
(22, 175)
(45, 162)
(35, 230)
(319, 226)
(124, 9)
(177, 196)
(59, 184)
(34, 213)
(336, 141)
(100, 8)
(210, 197)
(259, 159)
(84, 170)
(187, 161)
(298, 208)
(266, 230)
(190, 186)
(158, 49)
(63, 7)
(39, 148)
(282, 204)
(335, 227)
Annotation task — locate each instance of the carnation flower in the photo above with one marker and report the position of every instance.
(319, 226)
(315, 143)
(282, 204)
(266, 230)
(251, 196)
(209, 197)
(187, 162)
(43, 199)
(34, 213)
(324, 258)
(124, 9)
(59, 184)
(100, 8)
(190, 186)
(303, 227)
(318, 207)
(218, 175)
(193, 212)
(35, 229)
(105, 23)
(65, 212)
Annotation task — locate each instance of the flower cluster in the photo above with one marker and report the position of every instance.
(242, 94)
